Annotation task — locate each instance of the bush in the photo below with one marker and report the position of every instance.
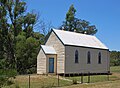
(5, 75)
(74, 81)
(17, 85)
(3, 81)
(31, 70)
(9, 82)
(115, 58)
(114, 62)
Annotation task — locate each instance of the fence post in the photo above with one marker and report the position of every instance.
(81, 78)
(58, 80)
(108, 76)
(29, 82)
(88, 77)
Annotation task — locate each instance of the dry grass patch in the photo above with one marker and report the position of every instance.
(42, 81)
(106, 84)
(38, 81)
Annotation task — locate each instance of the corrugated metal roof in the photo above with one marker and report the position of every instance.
(77, 39)
(48, 49)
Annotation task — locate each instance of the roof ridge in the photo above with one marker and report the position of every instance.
(78, 39)
(72, 32)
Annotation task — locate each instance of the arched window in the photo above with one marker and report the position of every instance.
(88, 57)
(99, 58)
(76, 56)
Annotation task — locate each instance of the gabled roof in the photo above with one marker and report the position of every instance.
(48, 49)
(77, 39)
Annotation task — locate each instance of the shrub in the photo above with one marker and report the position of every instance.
(74, 81)
(5, 75)
(17, 86)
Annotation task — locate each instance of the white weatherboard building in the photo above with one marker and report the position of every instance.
(72, 53)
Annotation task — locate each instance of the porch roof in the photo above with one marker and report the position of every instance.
(48, 49)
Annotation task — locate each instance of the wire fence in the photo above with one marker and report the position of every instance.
(49, 81)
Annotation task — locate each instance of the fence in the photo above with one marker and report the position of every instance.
(49, 81)
(43, 81)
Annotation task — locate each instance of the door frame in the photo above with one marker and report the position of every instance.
(55, 63)
(51, 65)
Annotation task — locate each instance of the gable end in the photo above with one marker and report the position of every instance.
(56, 36)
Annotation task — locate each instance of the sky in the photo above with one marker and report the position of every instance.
(104, 14)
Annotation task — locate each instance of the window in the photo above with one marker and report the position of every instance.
(99, 58)
(88, 57)
(76, 56)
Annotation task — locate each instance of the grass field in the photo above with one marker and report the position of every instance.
(115, 69)
(102, 83)
(95, 78)
(100, 78)
(38, 81)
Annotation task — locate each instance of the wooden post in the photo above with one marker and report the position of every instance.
(88, 77)
(69, 75)
(81, 78)
(58, 80)
(64, 75)
(29, 82)
(108, 76)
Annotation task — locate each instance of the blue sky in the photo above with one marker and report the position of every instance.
(105, 14)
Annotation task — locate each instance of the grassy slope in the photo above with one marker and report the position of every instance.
(94, 79)
(38, 81)
(115, 69)
(113, 83)
(106, 84)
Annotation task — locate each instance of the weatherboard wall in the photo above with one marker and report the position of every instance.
(82, 66)
(54, 41)
(41, 62)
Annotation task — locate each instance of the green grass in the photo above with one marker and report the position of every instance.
(99, 78)
(115, 69)
(94, 78)
(97, 81)
(38, 81)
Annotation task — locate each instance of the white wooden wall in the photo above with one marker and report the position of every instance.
(82, 66)
(60, 50)
(41, 63)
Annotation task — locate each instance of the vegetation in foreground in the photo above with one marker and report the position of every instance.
(42, 81)
(38, 81)
(99, 78)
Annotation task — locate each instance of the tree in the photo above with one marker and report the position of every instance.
(74, 24)
(115, 58)
(19, 44)
(26, 52)
(13, 21)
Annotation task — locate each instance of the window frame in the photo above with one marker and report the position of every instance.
(76, 56)
(88, 57)
(99, 58)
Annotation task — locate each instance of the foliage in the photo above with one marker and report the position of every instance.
(74, 24)
(26, 52)
(19, 44)
(74, 81)
(115, 58)
(5, 75)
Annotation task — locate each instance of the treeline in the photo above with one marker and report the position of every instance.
(115, 58)
(19, 44)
